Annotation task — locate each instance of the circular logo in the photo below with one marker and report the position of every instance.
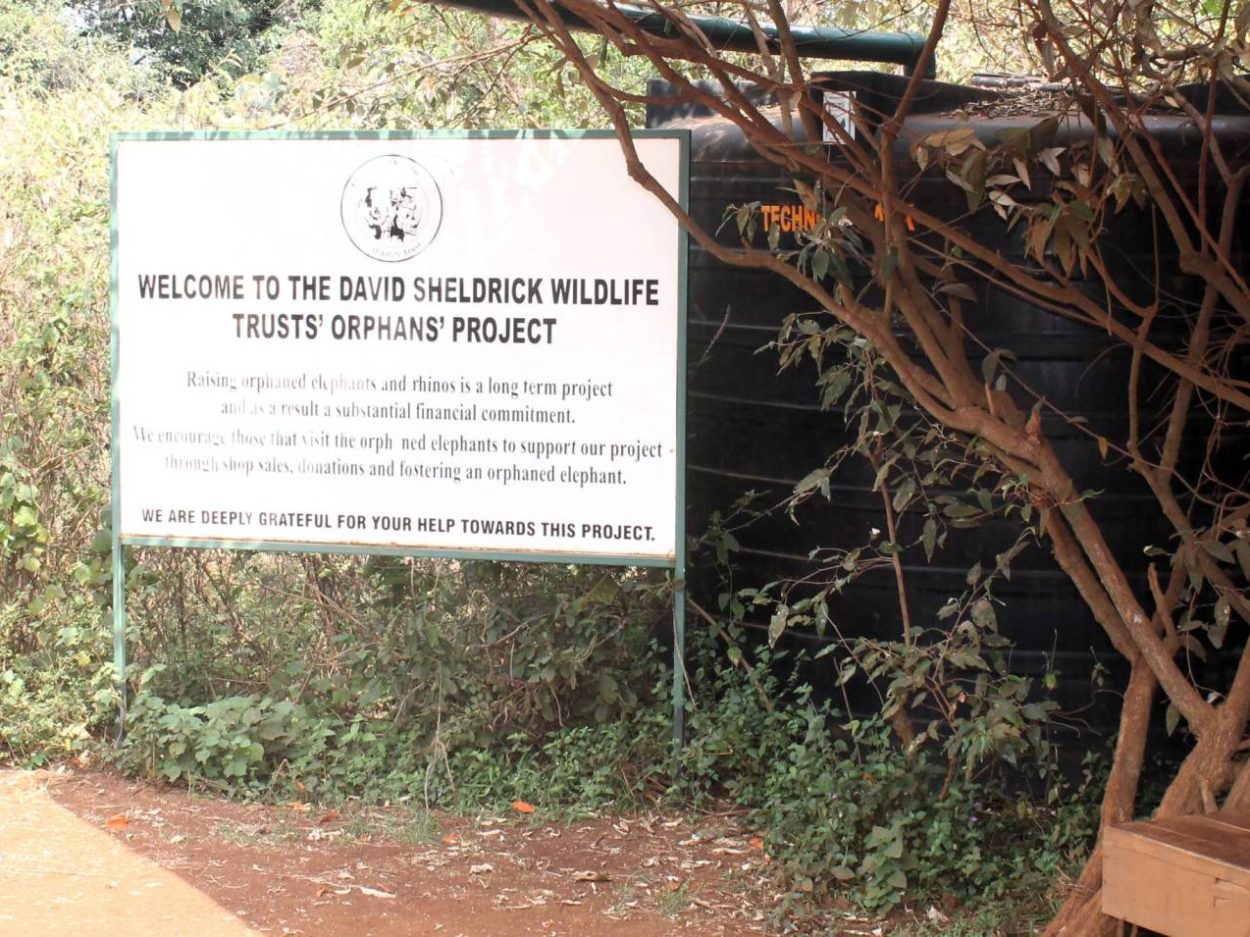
(392, 208)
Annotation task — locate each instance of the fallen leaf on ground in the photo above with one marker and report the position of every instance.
(757, 842)
(933, 914)
(329, 816)
(374, 892)
(591, 877)
(299, 806)
(117, 822)
(521, 806)
(451, 839)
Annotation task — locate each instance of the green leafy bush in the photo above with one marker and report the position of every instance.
(615, 765)
(845, 807)
(55, 679)
(435, 658)
(211, 35)
(238, 741)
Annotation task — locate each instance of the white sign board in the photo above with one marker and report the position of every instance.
(466, 346)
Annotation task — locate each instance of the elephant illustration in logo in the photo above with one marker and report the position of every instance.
(392, 213)
(391, 208)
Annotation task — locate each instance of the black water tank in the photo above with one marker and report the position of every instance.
(751, 427)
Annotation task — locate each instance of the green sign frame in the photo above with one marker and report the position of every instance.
(677, 564)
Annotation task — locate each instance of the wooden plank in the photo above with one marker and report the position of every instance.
(1196, 841)
(1178, 902)
(1227, 844)
(1233, 819)
(1184, 877)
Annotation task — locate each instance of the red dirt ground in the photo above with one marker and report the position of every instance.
(301, 870)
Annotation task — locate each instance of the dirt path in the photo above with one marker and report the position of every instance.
(297, 870)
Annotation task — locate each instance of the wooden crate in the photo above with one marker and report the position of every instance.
(1184, 876)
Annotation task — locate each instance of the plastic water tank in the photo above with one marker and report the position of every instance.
(752, 427)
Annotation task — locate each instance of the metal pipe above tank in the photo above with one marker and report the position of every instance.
(726, 35)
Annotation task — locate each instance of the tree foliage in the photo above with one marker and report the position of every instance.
(192, 38)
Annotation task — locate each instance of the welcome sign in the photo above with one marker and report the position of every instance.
(420, 344)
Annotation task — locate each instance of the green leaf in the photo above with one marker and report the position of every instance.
(812, 480)
(903, 496)
(954, 141)
(1223, 611)
(1218, 629)
(835, 382)
(777, 626)
(983, 613)
(609, 690)
(1218, 550)
(1081, 210)
(973, 173)
(960, 510)
(820, 264)
(888, 264)
(1034, 712)
(959, 291)
(841, 272)
(849, 669)
(1216, 633)
(604, 592)
(1242, 547)
(1172, 718)
(991, 363)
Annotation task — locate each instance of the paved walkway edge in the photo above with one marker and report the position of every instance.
(61, 876)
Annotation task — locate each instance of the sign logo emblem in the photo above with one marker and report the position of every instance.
(392, 208)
